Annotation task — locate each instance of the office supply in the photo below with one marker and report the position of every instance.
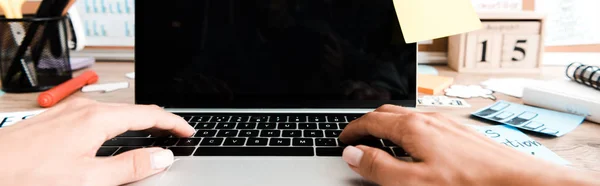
(584, 74)
(565, 95)
(512, 137)
(1, 92)
(420, 21)
(508, 42)
(509, 86)
(442, 101)
(19, 63)
(571, 22)
(108, 23)
(296, 81)
(53, 96)
(430, 84)
(10, 118)
(107, 87)
(20, 72)
(553, 55)
(471, 91)
(529, 118)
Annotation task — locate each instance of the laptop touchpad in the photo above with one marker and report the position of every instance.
(263, 171)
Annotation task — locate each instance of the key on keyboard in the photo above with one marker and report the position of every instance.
(280, 142)
(227, 133)
(246, 126)
(211, 141)
(234, 142)
(291, 133)
(206, 133)
(205, 125)
(307, 126)
(257, 141)
(266, 126)
(189, 141)
(286, 126)
(270, 133)
(225, 125)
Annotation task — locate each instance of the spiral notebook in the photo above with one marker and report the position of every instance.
(577, 94)
(584, 74)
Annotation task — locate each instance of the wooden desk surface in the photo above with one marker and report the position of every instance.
(581, 147)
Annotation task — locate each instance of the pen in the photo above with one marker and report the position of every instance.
(53, 96)
(49, 35)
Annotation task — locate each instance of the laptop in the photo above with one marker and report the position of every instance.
(268, 84)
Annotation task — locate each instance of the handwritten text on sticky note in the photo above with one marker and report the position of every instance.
(512, 137)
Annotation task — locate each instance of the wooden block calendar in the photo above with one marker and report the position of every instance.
(508, 42)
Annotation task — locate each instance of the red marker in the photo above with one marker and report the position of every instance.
(51, 97)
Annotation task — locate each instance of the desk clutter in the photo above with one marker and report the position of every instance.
(442, 101)
(433, 84)
(35, 49)
(551, 107)
(579, 94)
(472, 91)
(530, 118)
(508, 42)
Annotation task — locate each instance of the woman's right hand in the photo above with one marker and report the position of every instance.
(447, 153)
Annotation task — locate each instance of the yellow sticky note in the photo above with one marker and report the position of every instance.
(423, 20)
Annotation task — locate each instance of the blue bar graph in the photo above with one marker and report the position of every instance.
(108, 22)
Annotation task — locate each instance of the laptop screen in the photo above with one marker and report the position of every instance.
(272, 54)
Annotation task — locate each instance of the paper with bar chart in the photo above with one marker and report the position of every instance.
(108, 22)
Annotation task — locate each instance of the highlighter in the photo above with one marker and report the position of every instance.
(51, 97)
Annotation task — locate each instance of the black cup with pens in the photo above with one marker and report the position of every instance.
(34, 50)
(40, 65)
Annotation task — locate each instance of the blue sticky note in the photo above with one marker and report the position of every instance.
(531, 118)
(512, 137)
(1, 93)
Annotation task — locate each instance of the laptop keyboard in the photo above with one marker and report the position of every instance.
(257, 135)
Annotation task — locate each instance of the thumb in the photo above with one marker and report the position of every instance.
(378, 166)
(134, 165)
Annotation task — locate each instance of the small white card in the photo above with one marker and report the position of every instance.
(442, 101)
(109, 87)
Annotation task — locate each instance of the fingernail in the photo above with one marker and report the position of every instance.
(352, 155)
(162, 159)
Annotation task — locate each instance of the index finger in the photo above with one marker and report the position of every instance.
(114, 120)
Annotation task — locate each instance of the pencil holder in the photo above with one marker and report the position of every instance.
(34, 53)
